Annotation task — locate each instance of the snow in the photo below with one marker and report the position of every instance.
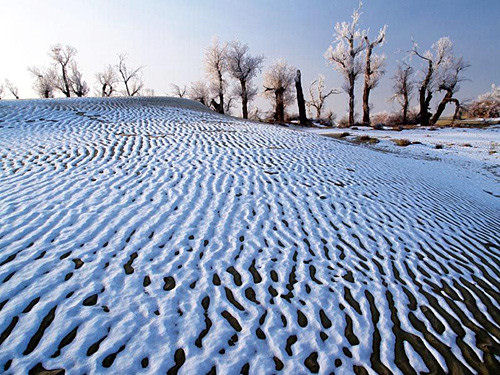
(160, 230)
(474, 149)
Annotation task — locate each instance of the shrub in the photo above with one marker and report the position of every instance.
(343, 122)
(486, 105)
(394, 119)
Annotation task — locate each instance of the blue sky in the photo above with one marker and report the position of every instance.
(168, 37)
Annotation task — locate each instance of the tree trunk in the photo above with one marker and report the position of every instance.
(67, 90)
(441, 107)
(221, 103)
(366, 106)
(221, 94)
(279, 115)
(457, 114)
(300, 100)
(367, 88)
(244, 98)
(406, 103)
(351, 100)
(424, 98)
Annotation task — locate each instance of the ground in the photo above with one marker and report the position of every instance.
(154, 236)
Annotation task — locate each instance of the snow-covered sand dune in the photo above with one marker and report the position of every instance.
(153, 236)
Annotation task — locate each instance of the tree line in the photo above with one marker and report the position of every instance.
(353, 54)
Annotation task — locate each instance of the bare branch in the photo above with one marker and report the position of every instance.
(12, 89)
(178, 91)
(130, 77)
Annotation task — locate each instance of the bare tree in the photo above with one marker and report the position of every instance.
(451, 76)
(278, 83)
(434, 60)
(62, 57)
(1, 91)
(44, 82)
(200, 92)
(78, 86)
(374, 70)
(216, 65)
(178, 91)
(107, 81)
(403, 87)
(345, 56)
(12, 89)
(318, 95)
(130, 77)
(243, 68)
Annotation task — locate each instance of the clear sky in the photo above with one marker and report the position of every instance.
(168, 36)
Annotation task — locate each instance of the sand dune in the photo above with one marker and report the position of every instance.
(154, 236)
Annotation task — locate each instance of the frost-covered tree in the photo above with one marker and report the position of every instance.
(199, 91)
(374, 70)
(216, 66)
(448, 82)
(62, 57)
(318, 95)
(44, 82)
(486, 105)
(14, 91)
(78, 86)
(178, 91)
(403, 88)
(278, 84)
(243, 67)
(107, 80)
(130, 77)
(345, 55)
(434, 60)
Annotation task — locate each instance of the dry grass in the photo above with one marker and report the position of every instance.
(402, 142)
(338, 135)
(366, 139)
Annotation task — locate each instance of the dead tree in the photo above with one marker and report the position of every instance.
(78, 86)
(178, 91)
(403, 87)
(318, 95)
(14, 91)
(243, 68)
(434, 60)
(107, 81)
(216, 65)
(345, 56)
(300, 100)
(278, 81)
(130, 77)
(62, 57)
(374, 69)
(450, 78)
(44, 82)
(199, 92)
